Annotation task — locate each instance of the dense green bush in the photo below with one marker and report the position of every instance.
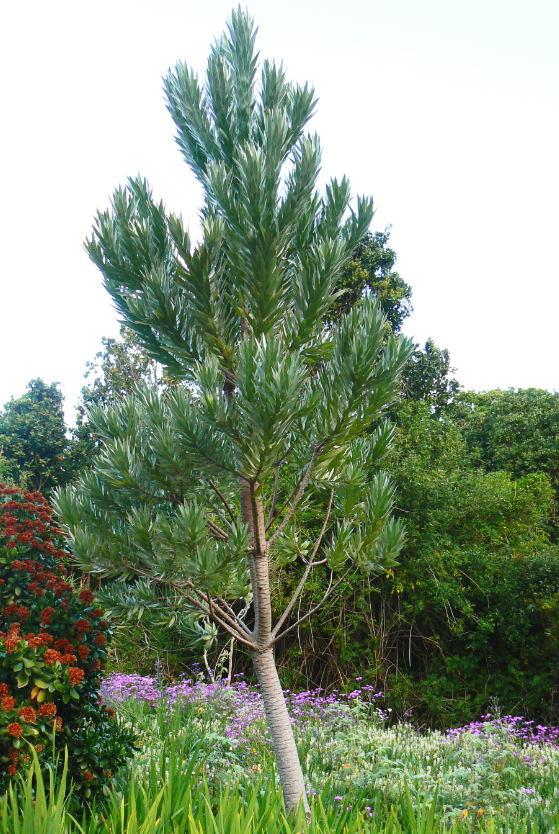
(471, 612)
(53, 648)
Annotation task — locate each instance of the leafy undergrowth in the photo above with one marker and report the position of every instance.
(206, 767)
(497, 772)
(173, 796)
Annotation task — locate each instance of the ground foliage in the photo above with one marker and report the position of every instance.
(498, 768)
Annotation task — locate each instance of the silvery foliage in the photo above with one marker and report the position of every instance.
(263, 390)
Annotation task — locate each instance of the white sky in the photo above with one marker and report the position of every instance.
(445, 110)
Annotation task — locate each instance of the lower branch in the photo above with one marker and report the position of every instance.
(329, 592)
(310, 564)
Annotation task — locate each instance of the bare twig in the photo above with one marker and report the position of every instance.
(230, 667)
(331, 589)
(222, 617)
(310, 564)
(275, 498)
(303, 485)
(223, 500)
(222, 602)
(221, 534)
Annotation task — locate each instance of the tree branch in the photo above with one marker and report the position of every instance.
(222, 602)
(275, 498)
(303, 485)
(330, 591)
(224, 500)
(221, 534)
(310, 564)
(230, 624)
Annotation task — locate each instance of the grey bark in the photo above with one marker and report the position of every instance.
(287, 756)
(289, 766)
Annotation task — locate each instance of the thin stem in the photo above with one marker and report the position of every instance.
(221, 617)
(303, 485)
(330, 591)
(275, 498)
(223, 500)
(221, 534)
(230, 668)
(237, 617)
(207, 665)
(310, 564)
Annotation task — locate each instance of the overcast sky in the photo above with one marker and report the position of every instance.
(446, 111)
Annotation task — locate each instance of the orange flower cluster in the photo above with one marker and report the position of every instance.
(12, 638)
(51, 581)
(76, 675)
(67, 659)
(83, 626)
(51, 656)
(64, 646)
(46, 602)
(15, 730)
(42, 639)
(28, 714)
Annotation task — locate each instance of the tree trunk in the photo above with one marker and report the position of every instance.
(287, 756)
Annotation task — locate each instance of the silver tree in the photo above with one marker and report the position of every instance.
(196, 492)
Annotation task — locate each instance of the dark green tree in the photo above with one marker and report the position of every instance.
(516, 431)
(471, 610)
(371, 272)
(186, 493)
(428, 377)
(33, 441)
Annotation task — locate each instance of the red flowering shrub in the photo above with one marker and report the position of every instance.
(53, 649)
